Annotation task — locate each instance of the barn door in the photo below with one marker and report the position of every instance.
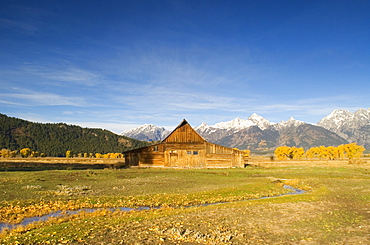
(174, 160)
(135, 159)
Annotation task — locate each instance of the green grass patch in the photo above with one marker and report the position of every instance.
(335, 208)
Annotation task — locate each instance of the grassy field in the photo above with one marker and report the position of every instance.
(334, 210)
(61, 163)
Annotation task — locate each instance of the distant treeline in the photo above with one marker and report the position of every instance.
(55, 139)
(349, 151)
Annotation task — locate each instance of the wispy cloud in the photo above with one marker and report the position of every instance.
(5, 102)
(23, 19)
(32, 98)
(114, 127)
(22, 26)
(64, 74)
(187, 66)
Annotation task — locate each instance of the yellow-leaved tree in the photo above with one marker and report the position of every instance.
(333, 152)
(350, 151)
(68, 154)
(34, 154)
(353, 150)
(247, 153)
(341, 151)
(296, 152)
(323, 152)
(5, 153)
(283, 152)
(25, 152)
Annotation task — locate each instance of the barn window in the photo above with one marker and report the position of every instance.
(155, 148)
(195, 152)
(189, 152)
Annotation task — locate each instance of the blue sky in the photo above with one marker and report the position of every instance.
(120, 64)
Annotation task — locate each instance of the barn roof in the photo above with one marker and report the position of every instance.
(183, 123)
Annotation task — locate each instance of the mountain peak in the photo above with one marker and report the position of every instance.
(202, 126)
(348, 125)
(147, 132)
(255, 116)
(289, 123)
(340, 113)
(242, 133)
(236, 124)
(362, 113)
(142, 127)
(259, 121)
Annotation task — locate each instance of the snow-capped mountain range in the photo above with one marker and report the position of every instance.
(238, 124)
(354, 127)
(147, 132)
(340, 120)
(256, 132)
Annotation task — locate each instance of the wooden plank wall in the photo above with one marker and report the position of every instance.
(219, 149)
(220, 156)
(132, 159)
(219, 160)
(151, 159)
(184, 134)
(199, 154)
(185, 159)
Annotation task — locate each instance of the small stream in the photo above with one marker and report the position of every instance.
(27, 221)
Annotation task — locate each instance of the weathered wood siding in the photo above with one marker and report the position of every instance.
(185, 159)
(219, 160)
(180, 155)
(184, 134)
(219, 149)
(151, 159)
(132, 158)
(149, 156)
(185, 148)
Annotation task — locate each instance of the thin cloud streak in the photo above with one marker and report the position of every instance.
(65, 74)
(43, 99)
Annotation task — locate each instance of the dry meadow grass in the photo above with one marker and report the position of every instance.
(334, 210)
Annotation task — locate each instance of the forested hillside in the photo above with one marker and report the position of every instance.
(54, 139)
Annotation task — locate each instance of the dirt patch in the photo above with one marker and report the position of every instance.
(235, 224)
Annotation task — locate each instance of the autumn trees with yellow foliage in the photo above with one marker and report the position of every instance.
(349, 151)
(286, 152)
(27, 152)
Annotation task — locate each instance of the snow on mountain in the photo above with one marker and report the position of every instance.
(362, 117)
(343, 118)
(353, 127)
(236, 124)
(336, 119)
(291, 122)
(259, 121)
(205, 128)
(150, 132)
(147, 132)
(212, 133)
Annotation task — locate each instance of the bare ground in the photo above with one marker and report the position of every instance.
(241, 223)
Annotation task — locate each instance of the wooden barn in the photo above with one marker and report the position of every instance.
(185, 148)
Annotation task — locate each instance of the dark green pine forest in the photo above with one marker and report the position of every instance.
(54, 139)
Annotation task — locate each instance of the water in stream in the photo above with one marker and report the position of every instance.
(31, 220)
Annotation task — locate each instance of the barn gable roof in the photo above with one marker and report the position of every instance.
(190, 130)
